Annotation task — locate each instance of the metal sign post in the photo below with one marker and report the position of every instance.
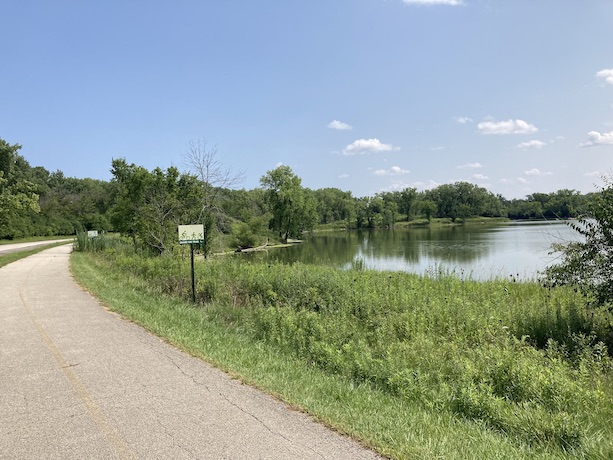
(191, 234)
(191, 246)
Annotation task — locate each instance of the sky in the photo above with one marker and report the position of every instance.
(366, 96)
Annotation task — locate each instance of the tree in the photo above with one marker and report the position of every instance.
(18, 195)
(333, 205)
(588, 264)
(292, 206)
(427, 207)
(406, 204)
(463, 199)
(150, 205)
(214, 179)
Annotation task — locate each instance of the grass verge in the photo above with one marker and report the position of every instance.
(396, 426)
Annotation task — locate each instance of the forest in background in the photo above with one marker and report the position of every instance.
(148, 205)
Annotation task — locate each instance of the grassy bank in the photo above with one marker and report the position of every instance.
(414, 367)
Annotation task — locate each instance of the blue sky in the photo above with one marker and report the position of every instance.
(363, 95)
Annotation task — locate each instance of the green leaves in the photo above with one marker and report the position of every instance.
(293, 207)
(18, 195)
(149, 205)
(588, 264)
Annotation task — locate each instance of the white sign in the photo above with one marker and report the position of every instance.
(191, 234)
(92, 233)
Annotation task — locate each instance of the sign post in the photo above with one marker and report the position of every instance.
(191, 234)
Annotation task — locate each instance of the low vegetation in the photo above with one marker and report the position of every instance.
(518, 370)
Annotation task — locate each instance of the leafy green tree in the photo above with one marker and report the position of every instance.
(563, 204)
(463, 199)
(524, 209)
(361, 210)
(18, 195)
(292, 206)
(150, 205)
(129, 181)
(389, 213)
(332, 205)
(407, 202)
(588, 263)
(428, 208)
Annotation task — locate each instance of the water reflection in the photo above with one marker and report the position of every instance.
(482, 251)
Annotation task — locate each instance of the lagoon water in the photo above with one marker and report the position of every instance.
(519, 249)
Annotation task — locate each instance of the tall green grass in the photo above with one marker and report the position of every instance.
(514, 359)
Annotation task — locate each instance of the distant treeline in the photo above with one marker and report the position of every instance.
(147, 205)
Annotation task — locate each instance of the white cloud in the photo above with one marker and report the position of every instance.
(479, 177)
(536, 172)
(393, 171)
(521, 180)
(596, 138)
(426, 185)
(471, 165)
(364, 146)
(534, 144)
(335, 124)
(606, 74)
(464, 120)
(506, 127)
(343, 176)
(593, 174)
(396, 186)
(434, 2)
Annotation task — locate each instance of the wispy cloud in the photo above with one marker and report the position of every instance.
(395, 187)
(335, 124)
(536, 172)
(471, 166)
(426, 185)
(596, 138)
(521, 180)
(534, 144)
(506, 127)
(606, 75)
(479, 177)
(464, 120)
(434, 2)
(393, 171)
(365, 146)
(343, 176)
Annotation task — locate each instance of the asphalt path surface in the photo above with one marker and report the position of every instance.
(79, 382)
(16, 247)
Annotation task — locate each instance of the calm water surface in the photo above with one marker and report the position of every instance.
(477, 251)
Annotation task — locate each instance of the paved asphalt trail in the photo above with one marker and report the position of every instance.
(78, 382)
(16, 247)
